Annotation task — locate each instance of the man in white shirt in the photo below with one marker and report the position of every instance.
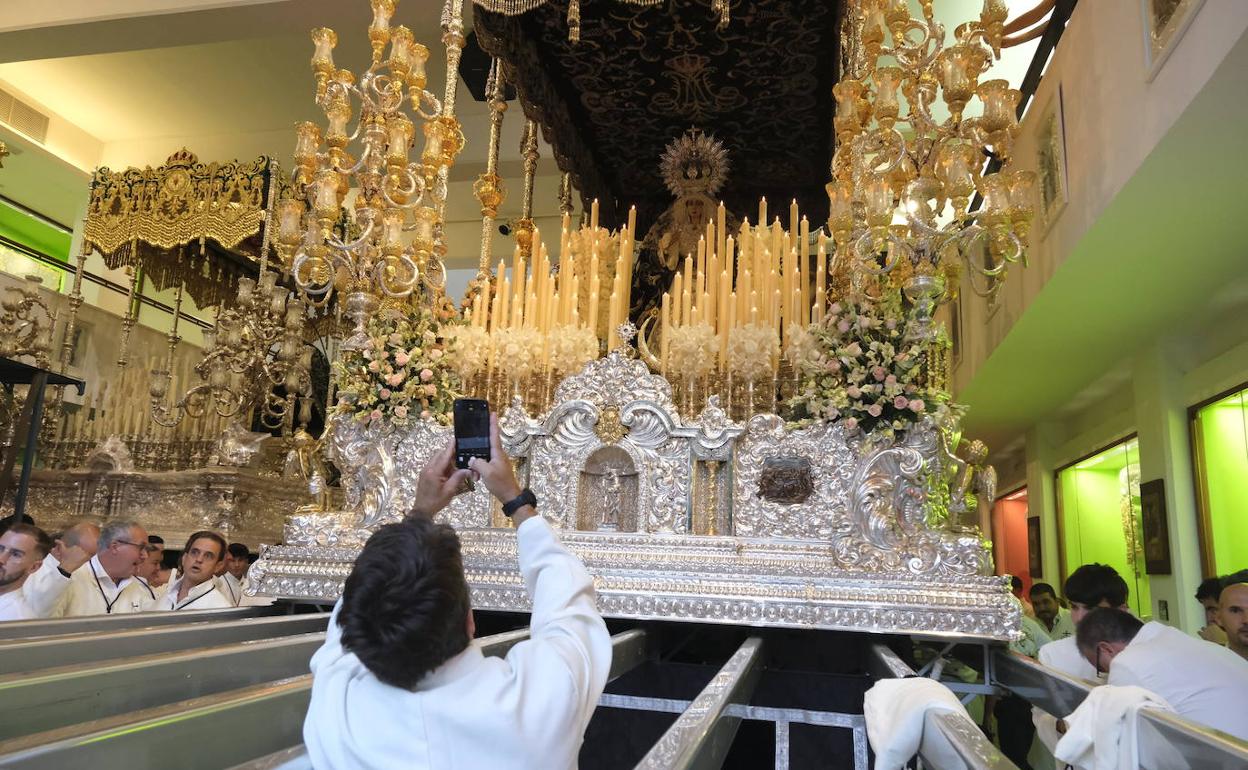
(22, 550)
(1205, 683)
(155, 555)
(1233, 617)
(234, 581)
(70, 550)
(399, 683)
(1088, 587)
(1056, 620)
(106, 584)
(195, 588)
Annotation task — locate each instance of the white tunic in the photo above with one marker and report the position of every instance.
(44, 587)
(528, 710)
(205, 596)
(90, 591)
(1203, 681)
(232, 587)
(13, 606)
(1064, 656)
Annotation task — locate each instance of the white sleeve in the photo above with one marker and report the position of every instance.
(45, 590)
(566, 631)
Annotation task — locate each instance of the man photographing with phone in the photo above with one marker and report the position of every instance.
(399, 681)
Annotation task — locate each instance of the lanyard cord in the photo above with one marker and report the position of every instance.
(108, 606)
(189, 602)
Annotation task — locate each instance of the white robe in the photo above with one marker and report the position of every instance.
(13, 606)
(232, 587)
(90, 591)
(44, 587)
(1203, 681)
(528, 710)
(1064, 656)
(205, 596)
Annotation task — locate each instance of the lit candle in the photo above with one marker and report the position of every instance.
(593, 216)
(793, 218)
(762, 211)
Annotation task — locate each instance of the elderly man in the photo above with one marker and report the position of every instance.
(22, 550)
(106, 584)
(195, 588)
(1233, 617)
(72, 549)
(1202, 682)
(399, 681)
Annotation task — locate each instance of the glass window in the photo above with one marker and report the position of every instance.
(1099, 512)
(1220, 446)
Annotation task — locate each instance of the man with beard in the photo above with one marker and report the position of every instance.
(1233, 617)
(22, 549)
(195, 588)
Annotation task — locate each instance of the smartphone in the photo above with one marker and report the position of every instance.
(472, 430)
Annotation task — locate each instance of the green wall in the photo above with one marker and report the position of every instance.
(1223, 431)
(1092, 520)
(34, 233)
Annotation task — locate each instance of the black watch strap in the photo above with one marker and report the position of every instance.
(524, 498)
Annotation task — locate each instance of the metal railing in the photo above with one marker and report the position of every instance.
(944, 729)
(25, 655)
(30, 629)
(1162, 736)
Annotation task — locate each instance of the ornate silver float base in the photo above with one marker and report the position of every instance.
(698, 579)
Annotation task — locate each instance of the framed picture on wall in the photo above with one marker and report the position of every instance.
(1035, 559)
(1165, 21)
(1156, 530)
(1051, 161)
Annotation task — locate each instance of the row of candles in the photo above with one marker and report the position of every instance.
(761, 278)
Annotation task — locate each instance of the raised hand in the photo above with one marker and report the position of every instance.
(439, 482)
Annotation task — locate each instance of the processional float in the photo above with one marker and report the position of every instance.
(777, 448)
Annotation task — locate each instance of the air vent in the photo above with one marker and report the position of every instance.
(20, 116)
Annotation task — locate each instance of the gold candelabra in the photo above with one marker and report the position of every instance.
(395, 195)
(26, 322)
(903, 179)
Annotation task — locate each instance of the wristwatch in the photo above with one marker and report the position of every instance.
(524, 498)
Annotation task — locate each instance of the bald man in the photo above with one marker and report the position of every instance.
(70, 550)
(1233, 617)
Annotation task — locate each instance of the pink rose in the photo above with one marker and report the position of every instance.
(400, 411)
(864, 322)
(843, 326)
(833, 366)
(383, 394)
(890, 380)
(835, 308)
(853, 391)
(854, 349)
(374, 366)
(917, 405)
(394, 379)
(900, 402)
(424, 414)
(401, 358)
(435, 354)
(874, 410)
(396, 339)
(426, 375)
(879, 374)
(890, 324)
(431, 390)
(901, 358)
(375, 414)
(851, 423)
(383, 355)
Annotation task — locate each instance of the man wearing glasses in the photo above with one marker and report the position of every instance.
(107, 584)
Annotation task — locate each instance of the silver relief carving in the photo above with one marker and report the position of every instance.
(860, 553)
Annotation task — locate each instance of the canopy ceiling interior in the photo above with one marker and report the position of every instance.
(642, 74)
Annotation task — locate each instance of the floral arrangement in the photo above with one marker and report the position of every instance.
(863, 369)
(692, 350)
(571, 347)
(751, 349)
(405, 371)
(519, 349)
(471, 345)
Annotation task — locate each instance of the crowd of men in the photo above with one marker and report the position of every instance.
(1204, 678)
(117, 568)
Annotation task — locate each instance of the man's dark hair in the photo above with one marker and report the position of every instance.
(213, 536)
(1093, 583)
(405, 605)
(1106, 624)
(155, 540)
(239, 551)
(1016, 583)
(1042, 588)
(43, 543)
(1233, 579)
(1209, 588)
(7, 523)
